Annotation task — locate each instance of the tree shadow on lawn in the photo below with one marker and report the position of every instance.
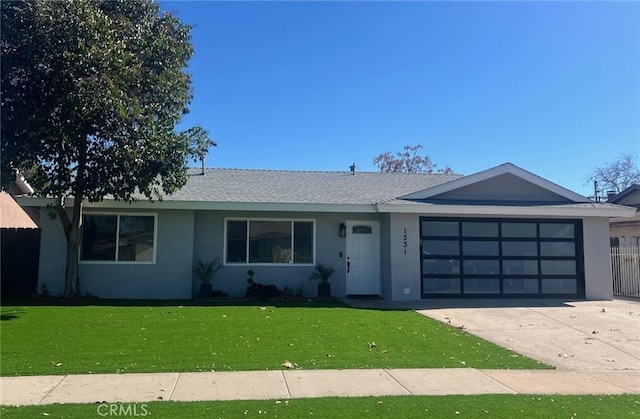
(8, 314)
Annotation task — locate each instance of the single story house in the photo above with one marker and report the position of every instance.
(503, 232)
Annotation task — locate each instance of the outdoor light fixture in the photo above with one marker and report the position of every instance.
(343, 230)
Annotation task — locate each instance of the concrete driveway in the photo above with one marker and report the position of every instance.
(582, 335)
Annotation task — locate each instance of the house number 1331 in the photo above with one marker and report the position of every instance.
(404, 241)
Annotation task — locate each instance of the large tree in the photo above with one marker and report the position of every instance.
(407, 161)
(92, 91)
(616, 175)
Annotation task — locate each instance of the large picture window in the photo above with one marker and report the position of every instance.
(495, 257)
(118, 238)
(269, 241)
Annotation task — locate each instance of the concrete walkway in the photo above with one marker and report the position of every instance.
(288, 384)
(595, 347)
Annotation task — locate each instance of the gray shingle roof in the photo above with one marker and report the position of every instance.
(277, 186)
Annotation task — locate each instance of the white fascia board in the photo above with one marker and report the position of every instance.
(238, 206)
(506, 168)
(211, 206)
(32, 201)
(499, 211)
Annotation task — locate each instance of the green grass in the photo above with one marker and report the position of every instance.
(124, 339)
(484, 406)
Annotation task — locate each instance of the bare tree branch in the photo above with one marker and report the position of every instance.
(618, 174)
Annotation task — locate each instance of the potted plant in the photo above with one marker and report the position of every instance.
(322, 273)
(205, 273)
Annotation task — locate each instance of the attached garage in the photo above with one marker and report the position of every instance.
(501, 258)
(501, 233)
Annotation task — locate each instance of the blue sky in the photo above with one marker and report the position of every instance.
(553, 87)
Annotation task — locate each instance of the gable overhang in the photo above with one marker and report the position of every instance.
(503, 169)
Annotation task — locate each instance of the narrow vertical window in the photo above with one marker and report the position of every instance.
(99, 237)
(237, 241)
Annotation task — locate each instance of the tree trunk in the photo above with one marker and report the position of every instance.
(72, 281)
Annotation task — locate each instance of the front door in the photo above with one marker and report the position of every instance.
(363, 258)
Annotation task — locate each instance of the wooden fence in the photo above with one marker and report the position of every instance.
(625, 262)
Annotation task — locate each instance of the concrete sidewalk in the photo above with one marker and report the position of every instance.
(288, 384)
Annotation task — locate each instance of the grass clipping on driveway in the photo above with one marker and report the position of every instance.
(123, 339)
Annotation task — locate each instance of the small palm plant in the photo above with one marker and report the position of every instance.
(206, 271)
(322, 273)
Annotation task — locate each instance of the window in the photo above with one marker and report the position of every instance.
(270, 241)
(361, 230)
(118, 238)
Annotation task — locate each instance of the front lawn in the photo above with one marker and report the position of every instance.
(484, 406)
(160, 338)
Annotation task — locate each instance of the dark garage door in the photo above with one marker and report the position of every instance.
(509, 258)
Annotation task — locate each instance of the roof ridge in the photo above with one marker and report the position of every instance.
(321, 171)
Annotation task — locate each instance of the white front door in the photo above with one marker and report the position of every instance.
(363, 257)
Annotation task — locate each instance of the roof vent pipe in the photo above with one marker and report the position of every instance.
(353, 169)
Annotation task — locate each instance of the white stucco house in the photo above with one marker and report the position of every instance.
(501, 233)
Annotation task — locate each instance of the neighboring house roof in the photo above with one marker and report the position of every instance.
(12, 215)
(629, 196)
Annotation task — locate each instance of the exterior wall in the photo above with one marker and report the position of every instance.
(184, 236)
(405, 261)
(168, 278)
(53, 251)
(597, 259)
(405, 268)
(386, 285)
(329, 249)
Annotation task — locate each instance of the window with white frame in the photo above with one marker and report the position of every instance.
(269, 241)
(118, 238)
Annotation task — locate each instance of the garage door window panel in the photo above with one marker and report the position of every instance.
(480, 248)
(441, 285)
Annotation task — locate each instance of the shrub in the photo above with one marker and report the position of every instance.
(256, 290)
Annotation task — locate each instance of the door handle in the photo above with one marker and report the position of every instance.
(348, 265)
